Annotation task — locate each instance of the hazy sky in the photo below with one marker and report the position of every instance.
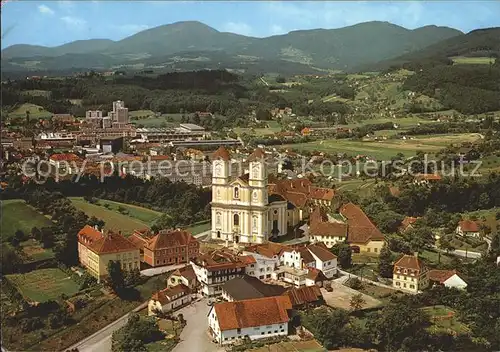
(56, 22)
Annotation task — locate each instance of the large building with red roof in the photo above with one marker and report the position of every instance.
(167, 247)
(410, 274)
(96, 249)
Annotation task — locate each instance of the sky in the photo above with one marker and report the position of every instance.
(53, 23)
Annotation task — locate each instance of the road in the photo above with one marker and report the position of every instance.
(161, 269)
(468, 254)
(101, 340)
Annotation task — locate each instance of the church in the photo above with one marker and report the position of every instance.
(242, 209)
(251, 209)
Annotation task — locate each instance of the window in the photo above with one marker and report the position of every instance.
(412, 286)
(236, 193)
(375, 250)
(397, 283)
(257, 328)
(236, 220)
(238, 331)
(218, 218)
(368, 250)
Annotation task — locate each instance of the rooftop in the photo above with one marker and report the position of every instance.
(249, 287)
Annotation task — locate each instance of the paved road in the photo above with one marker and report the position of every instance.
(101, 340)
(161, 269)
(468, 254)
(194, 336)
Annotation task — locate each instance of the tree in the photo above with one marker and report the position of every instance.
(280, 79)
(132, 277)
(20, 236)
(357, 302)
(135, 334)
(344, 253)
(385, 266)
(115, 278)
(420, 238)
(36, 233)
(47, 237)
(445, 244)
(495, 245)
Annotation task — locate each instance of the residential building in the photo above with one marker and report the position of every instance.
(325, 229)
(215, 268)
(426, 179)
(304, 296)
(96, 249)
(447, 278)
(299, 277)
(254, 318)
(63, 118)
(362, 235)
(169, 299)
(183, 276)
(468, 228)
(407, 224)
(167, 247)
(315, 256)
(248, 287)
(267, 259)
(410, 274)
(119, 115)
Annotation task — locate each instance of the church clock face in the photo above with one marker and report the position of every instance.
(218, 169)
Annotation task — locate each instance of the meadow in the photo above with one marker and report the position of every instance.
(140, 213)
(44, 284)
(34, 110)
(17, 215)
(461, 60)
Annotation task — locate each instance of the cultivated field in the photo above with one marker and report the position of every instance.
(17, 215)
(35, 112)
(44, 284)
(113, 220)
(34, 251)
(273, 128)
(385, 149)
(140, 213)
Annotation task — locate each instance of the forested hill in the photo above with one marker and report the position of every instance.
(342, 48)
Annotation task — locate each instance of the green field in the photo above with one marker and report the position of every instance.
(461, 60)
(113, 219)
(141, 113)
(37, 92)
(444, 319)
(274, 127)
(384, 150)
(199, 228)
(35, 112)
(34, 251)
(145, 215)
(17, 215)
(44, 284)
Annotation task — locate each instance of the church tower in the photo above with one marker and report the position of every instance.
(258, 177)
(221, 172)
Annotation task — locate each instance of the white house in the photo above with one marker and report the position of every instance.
(448, 278)
(298, 258)
(169, 299)
(263, 266)
(326, 261)
(468, 228)
(311, 256)
(256, 318)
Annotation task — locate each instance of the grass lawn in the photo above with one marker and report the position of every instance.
(443, 319)
(141, 113)
(17, 215)
(382, 293)
(291, 346)
(44, 284)
(36, 111)
(367, 271)
(199, 228)
(140, 213)
(434, 258)
(461, 60)
(487, 217)
(113, 220)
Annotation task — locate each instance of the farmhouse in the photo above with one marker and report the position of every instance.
(167, 247)
(448, 278)
(96, 249)
(325, 230)
(362, 234)
(305, 296)
(468, 228)
(425, 179)
(169, 299)
(183, 276)
(410, 274)
(256, 318)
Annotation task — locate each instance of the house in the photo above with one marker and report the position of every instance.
(249, 287)
(253, 318)
(215, 268)
(266, 258)
(96, 249)
(169, 299)
(410, 274)
(362, 235)
(183, 276)
(468, 228)
(448, 278)
(325, 230)
(407, 224)
(305, 296)
(425, 179)
(167, 247)
(325, 261)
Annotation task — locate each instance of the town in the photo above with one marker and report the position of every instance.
(215, 209)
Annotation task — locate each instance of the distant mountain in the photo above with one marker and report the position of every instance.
(343, 48)
(480, 42)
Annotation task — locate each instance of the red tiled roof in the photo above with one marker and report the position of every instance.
(428, 177)
(89, 234)
(410, 262)
(268, 249)
(253, 312)
(320, 226)
(166, 295)
(408, 220)
(469, 226)
(221, 153)
(169, 239)
(247, 259)
(303, 295)
(219, 259)
(112, 243)
(315, 275)
(441, 275)
(299, 191)
(360, 228)
(65, 157)
(322, 253)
